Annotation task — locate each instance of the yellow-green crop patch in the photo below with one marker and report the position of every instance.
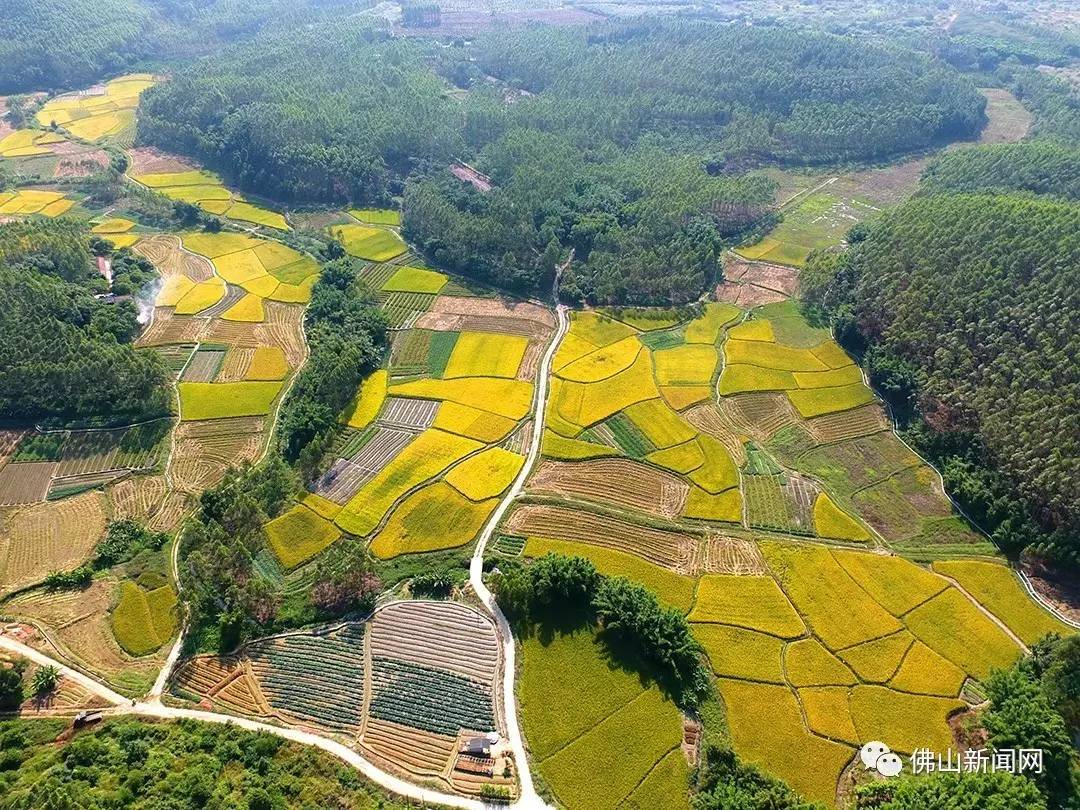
(212, 245)
(955, 629)
(665, 786)
(567, 685)
(818, 401)
(194, 177)
(924, 672)
(415, 280)
(377, 216)
(898, 585)
(832, 355)
(597, 329)
(321, 506)
(661, 425)
(735, 652)
(707, 327)
(753, 602)
(560, 447)
(808, 663)
(432, 518)
(771, 355)
(486, 474)
(207, 191)
(672, 589)
(757, 329)
(692, 364)
(903, 722)
(509, 398)
(425, 457)
(246, 212)
(719, 472)
(586, 404)
(681, 397)
(298, 535)
(999, 591)
(142, 621)
(767, 730)
(249, 309)
(831, 521)
(726, 507)
(113, 225)
(608, 761)
(92, 115)
(202, 296)
(833, 378)
(646, 319)
(222, 400)
(486, 354)
(840, 613)
(368, 242)
(473, 423)
(738, 378)
(603, 362)
(174, 288)
(827, 712)
(681, 458)
(571, 348)
(268, 363)
(368, 401)
(32, 201)
(878, 660)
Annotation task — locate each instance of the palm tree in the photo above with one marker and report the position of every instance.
(45, 680)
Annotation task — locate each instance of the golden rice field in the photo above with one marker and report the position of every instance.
(99, 113)
(206, 190)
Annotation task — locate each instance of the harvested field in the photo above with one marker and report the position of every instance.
(676, 551)
(835, 427)
(147, 160)
(444, 635)
(9, 440)
(493, 308)
(74, 484)
(715, 422)
(760, 414)
(135, 448)
(731, 555)
(409, 413)
(52, 536)
(167, 328)
(345, 478)
(137, 497)
(204, 450)
(746, 296)
(775, 277)
(228, 301)
(170, 258)
(234, 367)
(25, 483)
(78, 621)
(617, 481)
(173, 508)
(418, 752)
(281, 329)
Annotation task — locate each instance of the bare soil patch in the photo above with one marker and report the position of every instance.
(615, 481)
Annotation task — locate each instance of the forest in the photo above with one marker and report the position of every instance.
(645, 181)
(69, 354)
(966, 307)
(181, 765)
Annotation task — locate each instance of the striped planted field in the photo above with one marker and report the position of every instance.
(348, 474)
(25, 483)
(204, 450)
(620, 482)
(52, 536)
(673, 550)
(136, 448)
(443, 635)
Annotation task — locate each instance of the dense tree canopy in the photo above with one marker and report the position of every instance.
(1040, 167)
(67, 354)
(969, 304)
(182, 765)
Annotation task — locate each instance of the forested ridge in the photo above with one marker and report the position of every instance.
(968, 305)
(67, 353)
(1038, 167)
(627, 143)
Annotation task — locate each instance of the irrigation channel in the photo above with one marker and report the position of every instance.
(528, 798)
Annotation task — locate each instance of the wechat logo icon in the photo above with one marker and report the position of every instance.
(876, 756)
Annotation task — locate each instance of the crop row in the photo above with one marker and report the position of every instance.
(429, 699)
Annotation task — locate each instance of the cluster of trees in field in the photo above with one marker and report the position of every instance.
(627, 143)
(977, 42)
(966, 306)
(67, 353)
(1054, 102)
(558, 590)
(179, 765)
(346, 334)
